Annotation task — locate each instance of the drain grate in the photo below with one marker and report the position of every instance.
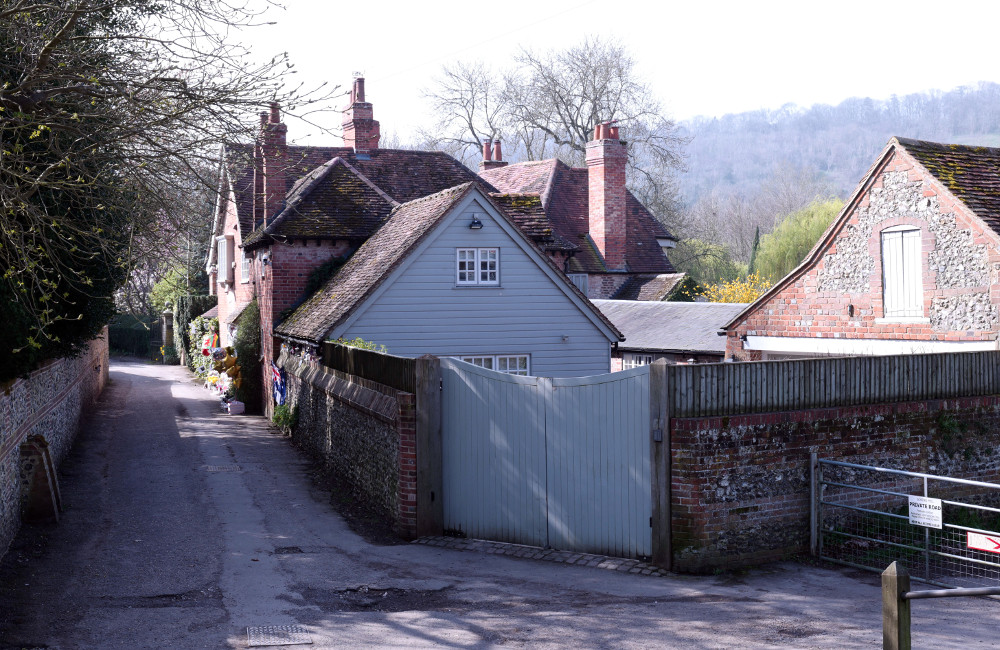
(277, 635)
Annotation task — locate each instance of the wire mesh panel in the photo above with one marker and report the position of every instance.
(865, 520)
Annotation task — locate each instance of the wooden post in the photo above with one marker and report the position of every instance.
(430, 510)
(813, 506)
(659, 449)
(895, 610)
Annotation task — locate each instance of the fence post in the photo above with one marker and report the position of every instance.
(430, 508)
(895, 610)
(813, 506)
(659, 449)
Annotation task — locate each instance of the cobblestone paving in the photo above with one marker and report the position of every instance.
(622, 565)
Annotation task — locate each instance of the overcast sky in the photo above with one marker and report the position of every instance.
(700, 57)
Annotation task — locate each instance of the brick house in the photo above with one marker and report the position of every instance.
(911, 265)
(613, 247)
(284, 211)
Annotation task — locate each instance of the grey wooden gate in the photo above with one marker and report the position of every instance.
(561, 462)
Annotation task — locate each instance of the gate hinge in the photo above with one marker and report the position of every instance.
(440, 384)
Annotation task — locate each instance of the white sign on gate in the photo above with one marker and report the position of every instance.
(982, 542)
(925, 511)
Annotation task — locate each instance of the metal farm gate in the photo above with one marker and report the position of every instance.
(551, 462)
(946, 531)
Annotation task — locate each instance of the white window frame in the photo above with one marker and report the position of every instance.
(477, 267)
(636, 359)
(244, 268)
(511, 364)
(902, 273)
(582, 282)
(224, 251)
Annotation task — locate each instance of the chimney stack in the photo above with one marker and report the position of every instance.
(606, 160)
(492, 156)
(361, 129)
(270, 162)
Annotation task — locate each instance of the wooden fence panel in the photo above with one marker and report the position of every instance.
(764, 386)
(397, 372)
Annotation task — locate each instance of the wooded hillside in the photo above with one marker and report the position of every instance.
(740, 152)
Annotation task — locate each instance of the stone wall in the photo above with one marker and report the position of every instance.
(361, 430)
(840, 295)
(47, 403)
(740, 484)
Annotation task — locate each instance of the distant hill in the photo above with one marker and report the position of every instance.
(736, 153)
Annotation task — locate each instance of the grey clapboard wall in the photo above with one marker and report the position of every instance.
(424, 311)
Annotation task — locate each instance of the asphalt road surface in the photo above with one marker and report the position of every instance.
(166, 544)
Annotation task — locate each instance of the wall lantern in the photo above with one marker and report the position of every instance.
(475, 224)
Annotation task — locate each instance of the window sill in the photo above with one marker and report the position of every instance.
(911, 320)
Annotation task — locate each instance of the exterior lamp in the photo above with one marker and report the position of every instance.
(475, 224)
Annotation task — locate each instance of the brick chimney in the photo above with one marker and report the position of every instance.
(492, 155)
(361, 130)
(270, 162)
(606, 158)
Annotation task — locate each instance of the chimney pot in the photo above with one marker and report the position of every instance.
(487, 150)
(359, 89)
(275, 113)
(496, 150)
(614, 133)
(263, 118)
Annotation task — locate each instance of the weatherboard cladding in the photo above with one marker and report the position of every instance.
(565, 196)
(670, 326)
(369, 266)
(534, 311)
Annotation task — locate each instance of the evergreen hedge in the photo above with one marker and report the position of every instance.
(247, 347)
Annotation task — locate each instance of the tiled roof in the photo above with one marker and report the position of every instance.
(565, 198)
(649, 287)
(211, 313)
(334, 201)
(403, 175)
(526, 211)
(369, 266)
(971, 173)
(670, 326)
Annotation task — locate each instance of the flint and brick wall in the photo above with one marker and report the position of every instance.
(841, 294)
(47, 403)
(740, 484)
(363, 431)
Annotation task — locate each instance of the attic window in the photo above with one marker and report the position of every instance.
(477, 266)
(902, 285)
(225, 259)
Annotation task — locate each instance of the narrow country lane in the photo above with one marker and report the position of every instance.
(185, 526)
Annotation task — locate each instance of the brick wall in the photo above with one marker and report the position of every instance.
(48, 403)
(841, 294)
(363, 431)
(282, 287)
(740, 484)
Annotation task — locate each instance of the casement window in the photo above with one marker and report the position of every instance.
(244, 268)
(635, 359)
(581, 282)
(902, 286)
(512, 364)
(478, 266)
(225, 259)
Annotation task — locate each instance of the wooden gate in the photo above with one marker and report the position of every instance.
(561, 462)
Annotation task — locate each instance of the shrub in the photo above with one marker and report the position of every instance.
(247, 348)
(285, 418)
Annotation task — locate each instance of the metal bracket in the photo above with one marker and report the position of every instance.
(657, 435)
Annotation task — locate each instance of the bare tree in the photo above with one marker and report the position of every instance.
(107, 109)
(549, 104)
